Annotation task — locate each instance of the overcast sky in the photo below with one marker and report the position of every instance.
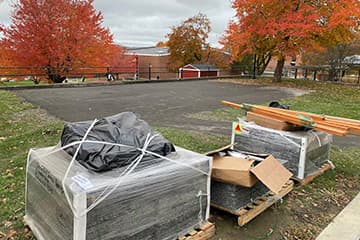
(144, 23)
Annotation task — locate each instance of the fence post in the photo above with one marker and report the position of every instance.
(150, 66)
(315, 72)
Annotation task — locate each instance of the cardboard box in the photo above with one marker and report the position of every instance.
(246, 172)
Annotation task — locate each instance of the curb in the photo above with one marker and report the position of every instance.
(98, 84)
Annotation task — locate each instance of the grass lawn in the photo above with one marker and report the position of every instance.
(330, 99)
(44, 82)
(304, 214)
(310, 208)
(17, 83)
(22, 126)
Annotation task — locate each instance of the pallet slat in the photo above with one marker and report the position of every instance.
(206, 231)
(325, 167)
(252, 213)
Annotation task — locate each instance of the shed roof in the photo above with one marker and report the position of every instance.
(148, 51)
(203, 67)
(352, 60)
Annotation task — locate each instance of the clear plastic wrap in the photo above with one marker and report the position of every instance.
(305, 151)
(234, 197)
(162, 198)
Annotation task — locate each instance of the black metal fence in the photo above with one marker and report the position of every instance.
(107, 73)
(341, 74)
(95, 73)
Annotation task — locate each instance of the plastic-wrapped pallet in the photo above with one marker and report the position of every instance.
(234, 197)
(305, 151)
(115, 178)
(160, 199)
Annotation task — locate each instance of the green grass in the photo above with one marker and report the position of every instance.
(17, 83)
(22, 126)
(44, 82)
(330, 99)
(221, 114)
(333, 190)
(195, 141)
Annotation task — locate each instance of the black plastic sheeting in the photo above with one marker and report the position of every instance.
(124, 128)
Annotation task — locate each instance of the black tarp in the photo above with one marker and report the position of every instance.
(124, 128)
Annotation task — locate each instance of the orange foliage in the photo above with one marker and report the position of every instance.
(216, 57)
(58, 35)
(284, 28)
(161, 44)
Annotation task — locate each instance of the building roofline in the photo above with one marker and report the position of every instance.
(148, 54)
(211, 68)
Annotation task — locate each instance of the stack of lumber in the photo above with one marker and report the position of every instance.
(271, 123)
(329, 124)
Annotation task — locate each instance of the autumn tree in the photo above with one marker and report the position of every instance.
(57, 35)
(285, 28)
(332, 56)
(161, 44)
(188, 41)
(216, 57)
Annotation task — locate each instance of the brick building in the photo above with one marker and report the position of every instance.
(151, 62)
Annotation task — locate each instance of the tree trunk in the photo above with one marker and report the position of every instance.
(56, 78)
(279, 69)
(53, 76)
(332, 74)
(261, 63)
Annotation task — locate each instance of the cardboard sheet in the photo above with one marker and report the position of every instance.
(271, 173)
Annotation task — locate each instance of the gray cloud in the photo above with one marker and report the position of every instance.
(5, 10)
(143, 23)
(139, 22)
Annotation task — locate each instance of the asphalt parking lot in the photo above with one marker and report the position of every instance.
(165, 104)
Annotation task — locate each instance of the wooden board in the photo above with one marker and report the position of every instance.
(205, 232)
(252, 210)
(325, 167)
(271, 123)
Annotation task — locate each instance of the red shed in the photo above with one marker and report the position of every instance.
(198, 71)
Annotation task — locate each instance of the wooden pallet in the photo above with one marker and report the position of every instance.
(250, 211)
(325, 167)
(206, 231)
